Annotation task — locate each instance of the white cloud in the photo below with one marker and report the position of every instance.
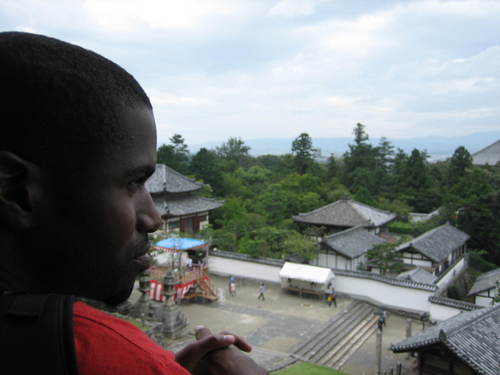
(294, 8)
(132, 15)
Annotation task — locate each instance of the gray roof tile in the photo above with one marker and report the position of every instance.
(488, 155)
(346, 213)
(418, 275)
(352, 242)
(185, 205)
(165, 179)
(473, 336)
(485, 281)
(437, 243)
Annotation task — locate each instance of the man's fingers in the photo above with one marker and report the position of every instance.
(239, 342)
(206, 342)
(201, 332)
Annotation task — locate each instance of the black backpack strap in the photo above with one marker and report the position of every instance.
(36, 332)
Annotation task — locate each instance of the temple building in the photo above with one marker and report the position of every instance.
(465, 344)
(180, 209)
(489, 155)
(346, 250)
(436, 250)
(486, 287)
(344, 214)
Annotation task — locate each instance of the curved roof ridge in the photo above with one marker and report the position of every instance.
(345, 231)
(370, 207)
(173, 171)
(321, 208)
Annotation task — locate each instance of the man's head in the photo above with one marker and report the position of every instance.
(78, 142)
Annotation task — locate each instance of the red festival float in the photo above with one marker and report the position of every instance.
(187, 258)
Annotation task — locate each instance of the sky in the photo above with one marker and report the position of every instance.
(215, 69)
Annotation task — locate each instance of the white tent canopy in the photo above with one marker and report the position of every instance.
(304, 272)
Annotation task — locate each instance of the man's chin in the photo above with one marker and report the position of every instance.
(119, 298)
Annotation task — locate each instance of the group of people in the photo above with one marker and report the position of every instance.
(232, 288)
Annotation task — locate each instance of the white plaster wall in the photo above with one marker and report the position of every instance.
(374, 291)
(417, 262)
(381, 293)
(325, 260)
(451, 274)
(483, 301)
(440, 312)
(239, 268)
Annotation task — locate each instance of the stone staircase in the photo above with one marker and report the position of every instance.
(340, 337)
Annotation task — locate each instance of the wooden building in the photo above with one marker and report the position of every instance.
(346, 250)
(174, 196)
(435, 250)
(466, 344)
(485, 288)
(344, 214)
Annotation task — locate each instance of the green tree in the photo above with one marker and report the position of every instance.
(204, 166)
(385, 258)
(234, 154)
(361, 155)
(175, 155)
(460, 162)
(479, 218)
(297, 245)
(303, 151)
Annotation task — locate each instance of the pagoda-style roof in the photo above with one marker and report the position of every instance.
(185, 205)
(489, 155)
(485, 281)
(346, 213)
(352, 242)
(167, 180)
(473, 336)
(437, 243)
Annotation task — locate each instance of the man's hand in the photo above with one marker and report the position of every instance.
(214, 355)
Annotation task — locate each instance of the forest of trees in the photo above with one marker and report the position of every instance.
(262, 193)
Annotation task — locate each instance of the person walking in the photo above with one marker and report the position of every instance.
(331, 299)
(262, 288)
(232, 286)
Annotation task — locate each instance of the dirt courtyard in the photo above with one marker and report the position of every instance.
(283, 320)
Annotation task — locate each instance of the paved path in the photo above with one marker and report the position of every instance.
(276, 324)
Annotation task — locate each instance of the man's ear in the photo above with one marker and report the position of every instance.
(15, 198)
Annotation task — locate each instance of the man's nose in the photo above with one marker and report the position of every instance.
(149, 219)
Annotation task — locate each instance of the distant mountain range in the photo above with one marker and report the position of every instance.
(437, 147)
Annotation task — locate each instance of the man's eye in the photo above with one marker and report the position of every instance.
(137, 183)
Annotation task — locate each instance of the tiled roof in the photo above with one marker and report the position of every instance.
(450, 302)
(346, 213)
(437, 243)
(386, 279)
(352, 242)
(185, 205)
(485, 281)
(419, 275)
(488, 155)
(472, 336)
(165, 179)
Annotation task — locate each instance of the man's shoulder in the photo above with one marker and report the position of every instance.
(106, 344)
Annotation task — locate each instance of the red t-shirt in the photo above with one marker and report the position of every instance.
(106, 345)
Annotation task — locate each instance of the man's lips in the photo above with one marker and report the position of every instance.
(143, 259)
